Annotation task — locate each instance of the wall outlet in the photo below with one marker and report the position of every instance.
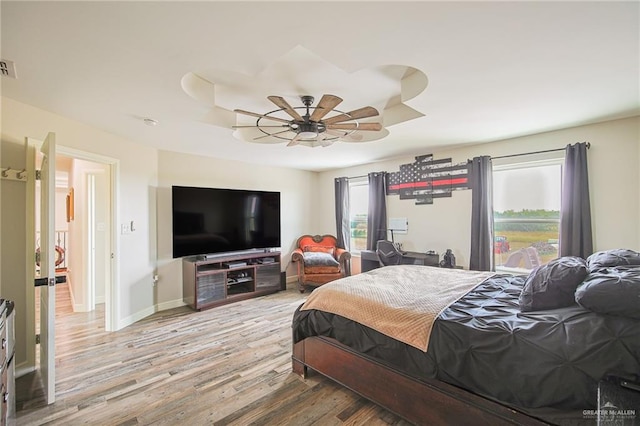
(125, 228)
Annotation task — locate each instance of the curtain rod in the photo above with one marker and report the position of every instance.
(535, 152)
(494, 158)
(359, 177)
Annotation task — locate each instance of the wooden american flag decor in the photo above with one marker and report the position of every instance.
(426, 179)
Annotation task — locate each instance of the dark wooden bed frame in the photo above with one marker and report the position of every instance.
(417, 401)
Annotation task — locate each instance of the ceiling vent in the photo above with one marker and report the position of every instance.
(7, 68)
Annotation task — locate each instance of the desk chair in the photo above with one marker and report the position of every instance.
(388, 254)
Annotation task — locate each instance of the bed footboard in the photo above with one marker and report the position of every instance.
(417, 401)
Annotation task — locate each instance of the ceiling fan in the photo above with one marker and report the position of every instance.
(312, 126)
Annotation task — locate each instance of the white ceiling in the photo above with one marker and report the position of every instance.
(495, 70)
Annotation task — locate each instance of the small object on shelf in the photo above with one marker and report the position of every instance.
(234, 264)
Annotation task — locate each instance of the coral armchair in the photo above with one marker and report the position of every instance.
(319, 260)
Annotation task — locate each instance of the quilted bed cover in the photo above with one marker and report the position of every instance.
(533, 361)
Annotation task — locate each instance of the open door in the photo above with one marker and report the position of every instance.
(47, 267)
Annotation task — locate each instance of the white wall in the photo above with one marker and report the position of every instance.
(146, 175)
(613, 177)
(12, 239)
(147, 250)
(138, 166)
(298, 206)
(78, 227)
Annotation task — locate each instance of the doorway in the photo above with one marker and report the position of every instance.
(85, 236)
(83, 224)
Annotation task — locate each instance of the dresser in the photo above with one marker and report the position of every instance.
(7, 367)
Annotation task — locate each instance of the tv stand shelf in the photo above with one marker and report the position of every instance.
(229, 278)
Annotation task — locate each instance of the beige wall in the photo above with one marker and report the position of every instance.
(143, 192)
(298, 205)
(12, 239)
(145, 176)
(614, 179)
(138, 170)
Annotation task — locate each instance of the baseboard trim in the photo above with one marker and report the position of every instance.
(170, 305)
(124, 322)
(136, 317)
(24, 369)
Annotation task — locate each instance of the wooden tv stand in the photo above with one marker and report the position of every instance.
(218, 280)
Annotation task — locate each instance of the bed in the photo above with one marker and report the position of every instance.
(507, 350)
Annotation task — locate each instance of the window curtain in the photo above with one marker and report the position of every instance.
(575, 208)
(377, 213)
(342, 212)
(480, 175)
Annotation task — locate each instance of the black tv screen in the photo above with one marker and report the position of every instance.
(214, 220)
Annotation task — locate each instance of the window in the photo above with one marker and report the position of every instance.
(358, 209)
(526, 203)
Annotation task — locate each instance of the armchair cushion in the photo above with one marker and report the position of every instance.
(320, 263)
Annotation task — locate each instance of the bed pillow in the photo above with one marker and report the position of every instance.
(553, 285)
(614, 291)
(609, 258)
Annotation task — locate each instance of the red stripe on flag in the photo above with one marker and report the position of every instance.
(455, 181)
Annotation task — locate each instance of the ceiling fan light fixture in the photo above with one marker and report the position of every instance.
(308, 135)
(308, 130)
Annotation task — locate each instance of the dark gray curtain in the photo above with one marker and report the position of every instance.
(575, 208)
(342, 212)
(377, 214)
(480, 176)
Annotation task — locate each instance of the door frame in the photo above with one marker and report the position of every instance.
(112, 294)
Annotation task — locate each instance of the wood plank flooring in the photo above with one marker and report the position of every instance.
(230, 365)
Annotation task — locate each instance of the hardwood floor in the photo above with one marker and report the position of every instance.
(230, 365)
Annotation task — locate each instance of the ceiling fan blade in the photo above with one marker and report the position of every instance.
(295, 140)
(325, 106)
(337, 133)
(280, 102)
(345, 135)
(353, 115)
(355, 126)
(268, 117)
(271, 134)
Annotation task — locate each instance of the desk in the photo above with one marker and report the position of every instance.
(417, 258)
(369, 259)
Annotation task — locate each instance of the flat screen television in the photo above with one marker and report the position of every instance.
(215, 220)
